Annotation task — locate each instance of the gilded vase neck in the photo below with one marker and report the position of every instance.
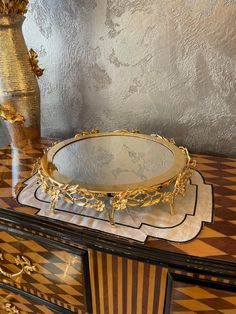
(11, 21)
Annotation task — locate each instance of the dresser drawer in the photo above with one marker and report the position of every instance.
(191, 294)
(47, 270)
(15, 303)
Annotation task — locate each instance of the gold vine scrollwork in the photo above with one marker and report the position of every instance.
(25, 267)
(83, 133)
(181, 182)
(142, 197)
(72, 194)
(10, 308)
(153, 195)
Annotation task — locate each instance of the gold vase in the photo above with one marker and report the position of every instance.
(19, 90)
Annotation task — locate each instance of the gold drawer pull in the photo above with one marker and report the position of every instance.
(10, 308)
(23, 262)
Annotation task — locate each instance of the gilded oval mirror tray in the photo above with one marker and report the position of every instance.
(128, 168)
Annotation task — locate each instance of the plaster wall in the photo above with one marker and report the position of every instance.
(163, 66)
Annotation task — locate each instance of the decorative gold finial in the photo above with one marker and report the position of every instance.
(8, 113)
(34, 63)
(13, 7)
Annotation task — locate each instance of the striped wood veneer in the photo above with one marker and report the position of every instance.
(125, 286)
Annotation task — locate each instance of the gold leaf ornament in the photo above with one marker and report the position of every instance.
(10, 308)
(35, 63)
(13, 7)
(9, 113)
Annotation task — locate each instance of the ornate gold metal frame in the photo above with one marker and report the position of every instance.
(149, 192)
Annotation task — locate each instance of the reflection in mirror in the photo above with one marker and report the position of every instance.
(113, 160)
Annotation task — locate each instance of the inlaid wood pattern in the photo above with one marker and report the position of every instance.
(135, 283)
(216, 241)
(206, 277)
(21, 304)
(190, 299)
(125, 286)
(58, 277)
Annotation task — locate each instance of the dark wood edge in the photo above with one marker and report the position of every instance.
(87, 285)
(89, 239)
(83, 254)
(171, 277)
(168, 294)
(36, 299)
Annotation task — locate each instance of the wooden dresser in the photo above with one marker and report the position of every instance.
(48, 266)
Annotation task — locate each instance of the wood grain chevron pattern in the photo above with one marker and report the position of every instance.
(192, 299)
(58, 277)
(206, 277)
(22, 304)
(217, 240)
(125, 286)
(15, 167)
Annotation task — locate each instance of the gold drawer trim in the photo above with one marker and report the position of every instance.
(23, 262)
(10, 308)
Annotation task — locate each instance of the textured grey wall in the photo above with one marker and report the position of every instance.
(164, 66)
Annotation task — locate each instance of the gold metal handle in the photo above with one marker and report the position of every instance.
(25, 267)
(35, 63)
(10, 308)
(8, 113)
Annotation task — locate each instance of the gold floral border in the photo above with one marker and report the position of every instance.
(143, 196)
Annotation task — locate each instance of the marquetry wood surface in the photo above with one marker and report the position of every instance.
(124, 286)
(21, 304)
(216, 241)
(15, 167)
(58, 277)
(190, 299)
(205, 277)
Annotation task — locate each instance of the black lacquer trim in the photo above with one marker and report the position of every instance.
(204, 282)
(171, 277)
(50, 305)
(87, 285)
(88, 238)
(168, 294)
